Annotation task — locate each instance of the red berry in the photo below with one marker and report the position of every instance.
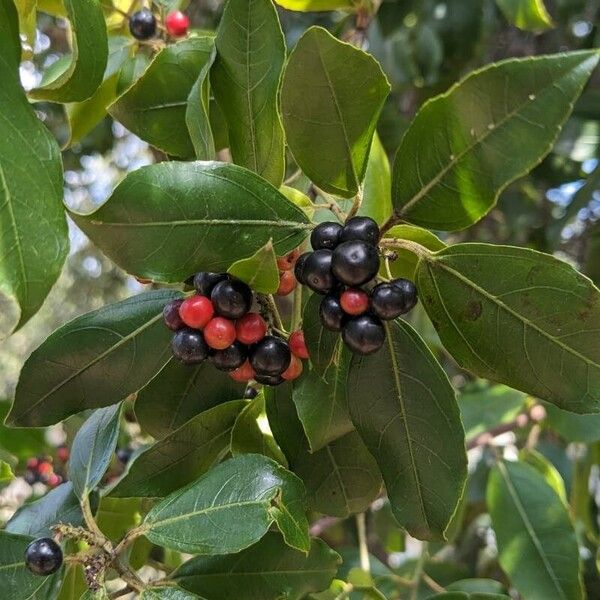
(298, 345)
(54, 480)
(287, 283)
(177, 24)
(294, 370)
(286, 263)
(44, 468)
(62, 453)
(32, 463)
(243, 374)
(251, 328)
(196, 311)
(219, 333)
(354, 302)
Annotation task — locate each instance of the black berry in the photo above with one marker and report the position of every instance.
(189, 347)
(355, 263)
(318, 275)
(231, 358)
(360, 228)
(43, 556)
(142, 24)
(250, 393)
(363, 334)
(271, 356)
(231, 298)
(331, 313)
(124, 455)
(390, 300)
(171, 315)
(326, 236)
(300, 266)
(272, 380)
(204, 282)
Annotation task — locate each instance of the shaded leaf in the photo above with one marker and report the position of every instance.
(246, 79)
(179, 393)
(27, 189)
(73, 585)
(450, 181)
(89, 55)
(337, 113)
(572, 427)
(410, 422)
(545, 468)
(536, 541)
(154, 107)
(93, 361)
(182, 456)
(116, 516)
(519, 317)
(265, 571)
(22, 443)
(230, 508)
(93, 449)
(260, 271)
(59, 505)
(176, 219)
(166, 593)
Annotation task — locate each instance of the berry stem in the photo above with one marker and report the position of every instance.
(275, 312)
(388, 269)
(358, 199)
(330, 204)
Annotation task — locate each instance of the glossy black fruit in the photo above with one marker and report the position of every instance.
(326, 236)
(355, 263)
(331, 313)
(231, 358)
(250, 393)
(300, 266)
(360, 228)
(272, 380)
(271, 356)
(43, 556)
(189, 347)
(363, 334)
(142, 24)
(390, 300)
(171, 315)
(204, 282)
(318, 275)
(231, 298)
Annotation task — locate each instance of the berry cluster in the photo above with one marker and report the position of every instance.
(43, 556)
(143, 26)
(217, 324)
(41, 469)
(343, 264)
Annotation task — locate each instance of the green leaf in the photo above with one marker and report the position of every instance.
(116, 516)
(179, 393)
(265, 571)
(166, 593)
(465, 596)
(342, 478)
(406, 264)
(572, 427)
(197, 116)
(246, 79)
(548, 471)
(316, 5)
(155, 106)
(330, 129)
(536, 541)
(410, 422)
(73, 585)
(22, 443)
(89, 55)
(260, 271)
(530, 15)
(517, 317)
(93, 449)
(59, 505)
(477, 586)
(94, 361)
(450, 181)
(6, 474)
(16, 581)
(321, 402)
(377, 192)
(179, 218)
(230, 508)
(27, 189)
(480, 410)
(182, 456)
(248, 437)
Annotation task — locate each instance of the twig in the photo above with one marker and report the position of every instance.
(405, 245)
(356, 204)
(330, 204)
(323, 524)
(122, 592)
(419, 570)
(295, 175)
(361, 529)
(434, 585)
(101, 541)
(485, 438)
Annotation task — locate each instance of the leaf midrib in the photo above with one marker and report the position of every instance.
(209, 222)
(528, 526)
(255, 573)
